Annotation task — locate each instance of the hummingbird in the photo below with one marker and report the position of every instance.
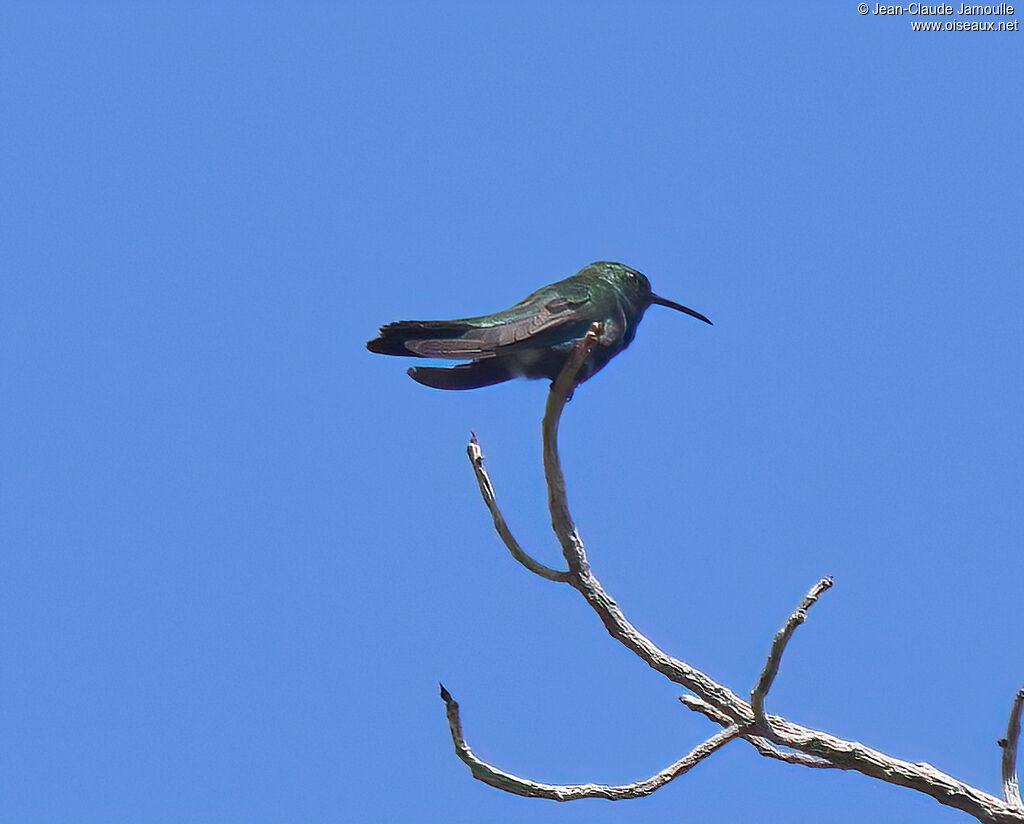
(534, 338)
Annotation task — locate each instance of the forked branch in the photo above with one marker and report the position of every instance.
(771, 735)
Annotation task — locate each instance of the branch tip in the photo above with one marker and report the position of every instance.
(1011, 789)
(476, 460)
(771, 666)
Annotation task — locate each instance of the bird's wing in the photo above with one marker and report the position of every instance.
(543, 319)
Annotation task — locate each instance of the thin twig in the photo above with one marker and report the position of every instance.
(561, 390)
(476, 458)
(570, 792)
(762, 745)
(771, 666)
(1011, 792)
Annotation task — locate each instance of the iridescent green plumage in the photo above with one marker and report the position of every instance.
(533, 338)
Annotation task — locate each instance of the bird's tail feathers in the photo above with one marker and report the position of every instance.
(394, 336)
(464, 376)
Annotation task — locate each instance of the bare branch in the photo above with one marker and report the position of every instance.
(581, 577)
(561, 390)
(810, 747)
(1011, 792)
(923, 777)
(841, 754)
(570, 792)
(762, 745)
(771, 666)
(476, 458)
(850, 755)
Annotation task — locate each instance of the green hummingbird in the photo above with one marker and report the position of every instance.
(534, 338)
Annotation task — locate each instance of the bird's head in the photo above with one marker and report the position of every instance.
(636, 287)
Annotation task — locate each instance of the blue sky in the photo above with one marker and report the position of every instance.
(240, 551)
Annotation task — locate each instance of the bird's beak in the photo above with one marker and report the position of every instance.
(671, 304)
